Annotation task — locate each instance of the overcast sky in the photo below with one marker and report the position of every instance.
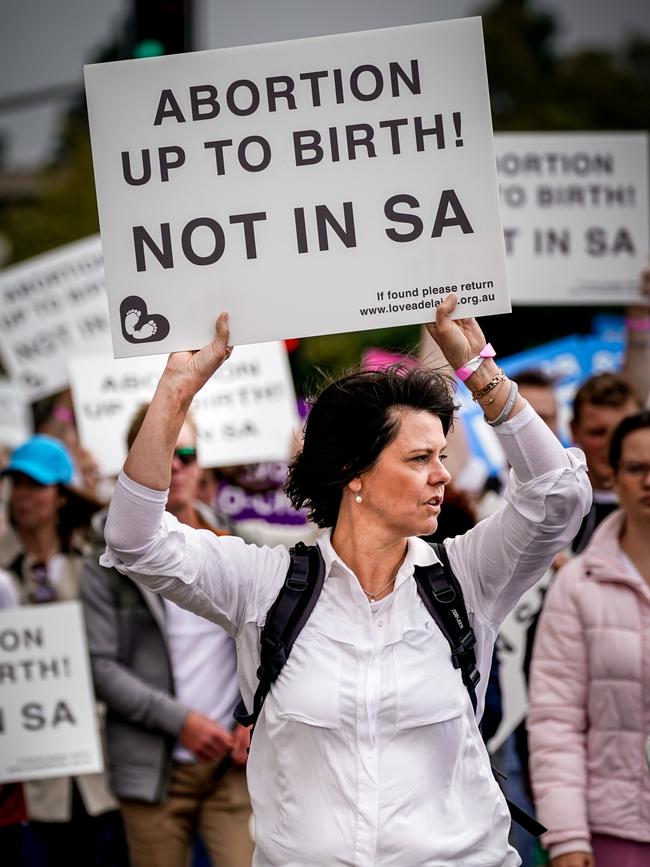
(46, 42)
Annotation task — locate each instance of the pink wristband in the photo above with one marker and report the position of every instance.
(473, 364)
(642, 324)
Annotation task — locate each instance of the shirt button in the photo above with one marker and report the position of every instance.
(380, 623)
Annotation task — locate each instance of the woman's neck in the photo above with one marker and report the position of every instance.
(635, 541)
(40, 542)
(373, 556)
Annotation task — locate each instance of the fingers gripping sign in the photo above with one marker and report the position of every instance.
(150, 458)
(191, 370)
(458, 339)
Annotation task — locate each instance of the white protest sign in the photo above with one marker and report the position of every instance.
(48, 723)
(575, 215)
(15, 420)
(511, 647)
(307, 187)
(245, 414)
(50, 306)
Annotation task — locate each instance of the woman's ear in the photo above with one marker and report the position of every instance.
(354, 485)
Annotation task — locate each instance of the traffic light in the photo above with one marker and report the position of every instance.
(162, 27)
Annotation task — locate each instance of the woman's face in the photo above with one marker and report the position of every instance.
(404, 490)
(33, 505)
(632, 478)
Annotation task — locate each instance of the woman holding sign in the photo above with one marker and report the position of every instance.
(367, 749)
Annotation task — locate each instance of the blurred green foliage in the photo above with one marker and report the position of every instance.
(532, 88)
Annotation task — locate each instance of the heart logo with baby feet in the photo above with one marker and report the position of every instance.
(140, 326)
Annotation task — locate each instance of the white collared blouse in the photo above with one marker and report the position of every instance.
(367, 751)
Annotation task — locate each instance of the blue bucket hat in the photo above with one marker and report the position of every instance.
(44, 459)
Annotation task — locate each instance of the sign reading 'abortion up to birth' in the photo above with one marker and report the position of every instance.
(308, 187)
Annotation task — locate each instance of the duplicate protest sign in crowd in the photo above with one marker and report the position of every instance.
(308, 187)
(246, 413)
(48, 725)
(575, 216)
(51, 306)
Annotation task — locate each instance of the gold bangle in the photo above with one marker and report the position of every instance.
(500, 377)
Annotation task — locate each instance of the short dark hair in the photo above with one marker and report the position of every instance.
(350, 423)
(604, 389)
(534, 378)
(629, 424)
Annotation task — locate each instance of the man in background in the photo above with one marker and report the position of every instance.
(169, 680)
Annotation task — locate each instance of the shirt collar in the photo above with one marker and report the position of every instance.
(418, 553)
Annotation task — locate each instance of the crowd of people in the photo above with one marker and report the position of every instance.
(367, 747)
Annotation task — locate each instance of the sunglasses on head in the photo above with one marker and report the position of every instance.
(186, 455)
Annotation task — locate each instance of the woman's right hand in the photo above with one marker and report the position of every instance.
(189, 371)
(574, 859)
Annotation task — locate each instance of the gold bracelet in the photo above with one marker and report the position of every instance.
(500, 377)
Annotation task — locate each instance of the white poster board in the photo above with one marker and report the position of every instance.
(575, 216)
(307, 187)
(51, 306)
(245, 414)
(511, 647)
(48, 724)
(15, 418)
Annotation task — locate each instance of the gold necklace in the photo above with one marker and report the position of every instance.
(373, 596)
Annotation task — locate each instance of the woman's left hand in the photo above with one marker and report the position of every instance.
(458, 339)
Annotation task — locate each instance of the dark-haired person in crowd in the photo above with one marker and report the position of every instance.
(539, 390)
(169, 681)
(599, 405)
(367, 749)
(590, 690)
(75, 819)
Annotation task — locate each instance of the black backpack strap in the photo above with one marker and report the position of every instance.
(442, 595)
(284, 621)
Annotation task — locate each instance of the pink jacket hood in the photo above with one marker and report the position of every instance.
(590, 699)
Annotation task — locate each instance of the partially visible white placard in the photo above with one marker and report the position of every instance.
(308, 187)
(15, 418)
(47, 709)
(575, 216)
(50, 307)
(245, 414)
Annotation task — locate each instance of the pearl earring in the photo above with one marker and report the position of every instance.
(358, 498)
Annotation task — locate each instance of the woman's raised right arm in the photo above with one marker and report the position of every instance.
(150, 458)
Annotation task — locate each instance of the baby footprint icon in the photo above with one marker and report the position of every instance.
(140, 326)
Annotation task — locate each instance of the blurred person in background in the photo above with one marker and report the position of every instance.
(54, 416)
(169, 680)
(590, 693)
(73, 818)
(599, 405)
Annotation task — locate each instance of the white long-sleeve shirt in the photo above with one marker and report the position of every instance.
(367, 751)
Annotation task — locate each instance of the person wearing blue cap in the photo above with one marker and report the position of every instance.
(42, 551)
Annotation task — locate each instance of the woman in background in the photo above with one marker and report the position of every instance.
(590, 683)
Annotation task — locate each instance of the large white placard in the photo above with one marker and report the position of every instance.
(307, 187)
(245, 414)
(51, 306)
(48, 725)
(575, 215)
(15, 418)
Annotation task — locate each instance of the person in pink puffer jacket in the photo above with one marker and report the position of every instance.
(589, 711)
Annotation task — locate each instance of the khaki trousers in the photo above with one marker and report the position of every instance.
(162, 835)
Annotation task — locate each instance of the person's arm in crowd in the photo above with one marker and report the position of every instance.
(636, 365)
(548, 495)
(557, 724)
(215, 577)
(127, 694)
